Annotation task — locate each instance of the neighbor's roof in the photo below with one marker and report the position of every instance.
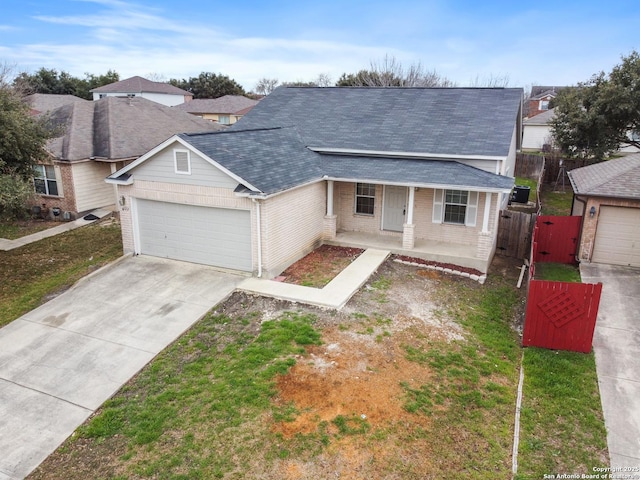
(619, 177)
(273, 160)
(228, 104)
(115, 128)
(541, 119)
(140, 85)
(540, 91)
(438, 121)
(45, 102)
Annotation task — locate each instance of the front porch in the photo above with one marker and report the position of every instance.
(442, 252)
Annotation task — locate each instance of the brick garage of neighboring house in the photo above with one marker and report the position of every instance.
(607, 196)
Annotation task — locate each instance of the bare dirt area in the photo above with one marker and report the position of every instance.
(321, 266)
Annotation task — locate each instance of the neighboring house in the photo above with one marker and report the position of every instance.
(96, 139)
(536, 131)
(418, 171)
(607, 196)
(225, 110)
(159, 92)
(45, 102)
(539, 99)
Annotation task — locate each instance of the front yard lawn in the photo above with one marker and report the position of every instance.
(562, 427)
(415, 377)
(32, 273)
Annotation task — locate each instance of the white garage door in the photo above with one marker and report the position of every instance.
(211, 236)
(618, 236)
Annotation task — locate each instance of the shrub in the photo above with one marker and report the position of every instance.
(15, 195)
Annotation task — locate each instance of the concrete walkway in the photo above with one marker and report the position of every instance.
(6, 244)
(616, 344)
(61, 361)
(334, 295)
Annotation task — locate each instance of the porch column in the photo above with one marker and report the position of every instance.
(330, 220)
(487, 210)
(408, 236)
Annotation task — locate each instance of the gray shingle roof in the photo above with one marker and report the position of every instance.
(115, 128)
(45, 102)
(449, 121)
(541, 119)
(412, 172)
(619, 177)
(270, 160)
(140, 85)
(228, 104)
(273, 160)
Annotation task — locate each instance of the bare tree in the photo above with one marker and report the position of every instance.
(323, 80)
(492, 81)
(266, 85)
(156, 77)
(389, 72)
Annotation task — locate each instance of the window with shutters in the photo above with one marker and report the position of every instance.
(182, 160)
(458, 207)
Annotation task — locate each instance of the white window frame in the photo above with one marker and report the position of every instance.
(440, 206)
(544, 105)
(40, 173)
(224, 119)
(357, 195)
(177, 170)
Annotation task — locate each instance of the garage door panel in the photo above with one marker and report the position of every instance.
(618, 236)
(212, 236)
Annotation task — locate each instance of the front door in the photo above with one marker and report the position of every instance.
(395, 204)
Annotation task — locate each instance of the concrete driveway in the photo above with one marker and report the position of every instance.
(616, 344)
(61, 361)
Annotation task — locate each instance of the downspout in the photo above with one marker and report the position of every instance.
(259, 236)
(584, 212)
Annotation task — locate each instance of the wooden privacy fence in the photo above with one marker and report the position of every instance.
(514, 234)
(561, 315)
(555, 239)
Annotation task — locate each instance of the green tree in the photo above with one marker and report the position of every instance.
(23, 137)
(22, 141)
(594, 119)
(209, 85)
(62, 83)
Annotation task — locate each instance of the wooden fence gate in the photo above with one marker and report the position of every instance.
(561, 315)
(555, 239)
(514, 234)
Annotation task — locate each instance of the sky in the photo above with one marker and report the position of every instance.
(467, 41)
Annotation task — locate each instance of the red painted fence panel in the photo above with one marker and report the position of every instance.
(561, 315)
(557, 239)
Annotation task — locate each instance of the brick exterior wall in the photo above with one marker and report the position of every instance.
(292, 223)
(590, 225)
(292, 226)
(66, 202)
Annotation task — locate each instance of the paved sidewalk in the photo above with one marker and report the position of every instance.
(6, 244)
(337, 292)
(616, 343)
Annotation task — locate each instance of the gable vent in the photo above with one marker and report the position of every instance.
(182, 161)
